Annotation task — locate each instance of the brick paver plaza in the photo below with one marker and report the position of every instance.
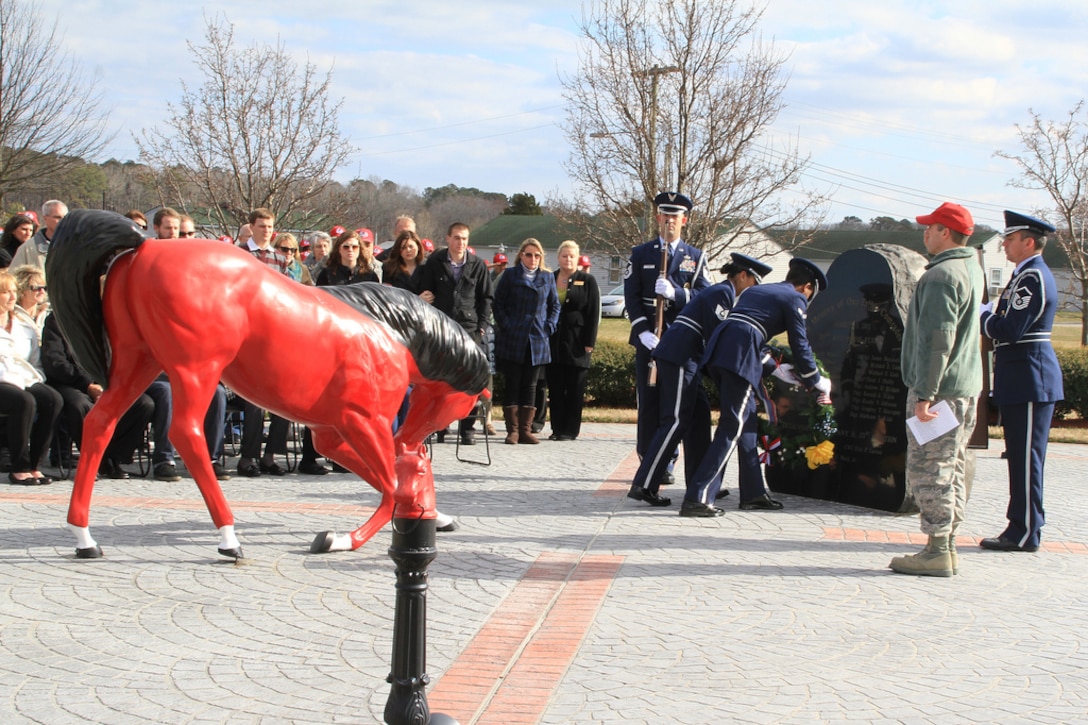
(558, 601)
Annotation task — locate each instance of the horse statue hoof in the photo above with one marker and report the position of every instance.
(322, 543)
(91, 552)
(235, 553)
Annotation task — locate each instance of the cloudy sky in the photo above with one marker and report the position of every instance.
(901, 105)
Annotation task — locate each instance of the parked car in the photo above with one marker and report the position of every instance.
(612, 304)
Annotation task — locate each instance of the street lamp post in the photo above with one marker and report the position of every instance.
(653, 74)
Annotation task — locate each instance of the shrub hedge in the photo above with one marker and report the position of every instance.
(1074, 362)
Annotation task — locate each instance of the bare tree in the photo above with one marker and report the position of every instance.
(51, 120)
(678, 95)
(1055, 160)
(259, 132)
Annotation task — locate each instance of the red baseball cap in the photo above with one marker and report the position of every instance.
(428, 245)
(499, 258)
(365, 234)
(336, 231)
(583, 261)
(33, 215)
(226, 238)
(953, 216)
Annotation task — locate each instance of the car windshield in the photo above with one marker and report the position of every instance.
(617, 291)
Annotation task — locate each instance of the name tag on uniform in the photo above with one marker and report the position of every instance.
(578, 282)
(649, 266)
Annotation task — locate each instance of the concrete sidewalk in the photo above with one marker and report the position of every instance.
(558, 601)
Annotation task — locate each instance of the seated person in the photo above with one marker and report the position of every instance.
(214, 425)
(30, 405)
(80, 392)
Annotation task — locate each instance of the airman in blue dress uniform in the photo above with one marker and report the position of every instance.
(682, 400)
(642, 285)
(1027, 377)
(735, 359)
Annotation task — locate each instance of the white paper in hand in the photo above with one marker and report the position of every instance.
(926, 431)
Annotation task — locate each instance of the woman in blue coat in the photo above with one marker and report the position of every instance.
(526, 313)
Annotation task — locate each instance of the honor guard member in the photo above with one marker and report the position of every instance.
(682, 400)
(735, 359)
(643, 285)
(1027, 377)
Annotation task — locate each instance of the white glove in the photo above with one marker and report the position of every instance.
(648, 339)
(823, 385)
(784, 372)
(664, 288)
(988, 307)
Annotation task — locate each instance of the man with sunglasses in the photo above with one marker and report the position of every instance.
(186, 227)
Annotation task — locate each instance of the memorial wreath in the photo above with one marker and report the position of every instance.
(812, 448)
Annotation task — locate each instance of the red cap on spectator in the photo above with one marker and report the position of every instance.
(336, 231)
(226, 238)
(953, 216)
(428, 245)
(499, 258)
(583, 261)
(365, 234)
(31, 214)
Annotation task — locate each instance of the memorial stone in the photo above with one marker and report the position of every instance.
(855, 328)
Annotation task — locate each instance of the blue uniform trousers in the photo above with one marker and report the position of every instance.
(1027, 427)
(647, 401)
(684, 415)
(737, 429)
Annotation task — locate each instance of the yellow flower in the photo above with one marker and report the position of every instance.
(820, 454)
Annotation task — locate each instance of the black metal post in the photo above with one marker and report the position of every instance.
(412, 550)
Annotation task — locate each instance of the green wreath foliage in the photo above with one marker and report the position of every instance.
(791, 451)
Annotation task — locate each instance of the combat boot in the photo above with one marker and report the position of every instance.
(934, 560)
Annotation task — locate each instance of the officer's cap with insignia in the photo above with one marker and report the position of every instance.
(1022, 222)
(671, 203)
(812, 270)
(744, 263)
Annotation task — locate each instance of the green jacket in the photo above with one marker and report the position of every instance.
(941, 357)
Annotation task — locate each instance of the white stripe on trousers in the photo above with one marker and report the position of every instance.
(675, 424)
(1028, 454)
(703, 494)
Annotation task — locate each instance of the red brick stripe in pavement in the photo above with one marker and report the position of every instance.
(185, 504)
(509, 671)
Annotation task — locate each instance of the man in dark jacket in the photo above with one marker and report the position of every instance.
(79, 391)
(458, 283)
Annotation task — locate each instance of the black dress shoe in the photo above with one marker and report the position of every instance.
(722, 493)
(31, 481)
(220, 471)
(166, 472)
(249, 470)
(273, 469)
(312, 468)
(699, 510)
(110, 469)
(468, 438)
(641, 494)
(1000, 543)
(668, 479)
(763, 503)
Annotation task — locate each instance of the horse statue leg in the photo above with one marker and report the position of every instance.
(376, 467)
(98, 429)
(192, 394)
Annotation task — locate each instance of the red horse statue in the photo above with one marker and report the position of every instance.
(204, 311)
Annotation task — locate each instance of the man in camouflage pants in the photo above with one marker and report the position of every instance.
(941, 362)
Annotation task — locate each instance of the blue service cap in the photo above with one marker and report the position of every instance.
(753, 266)
(672, 203)
(812, 269)
(1019, 222)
